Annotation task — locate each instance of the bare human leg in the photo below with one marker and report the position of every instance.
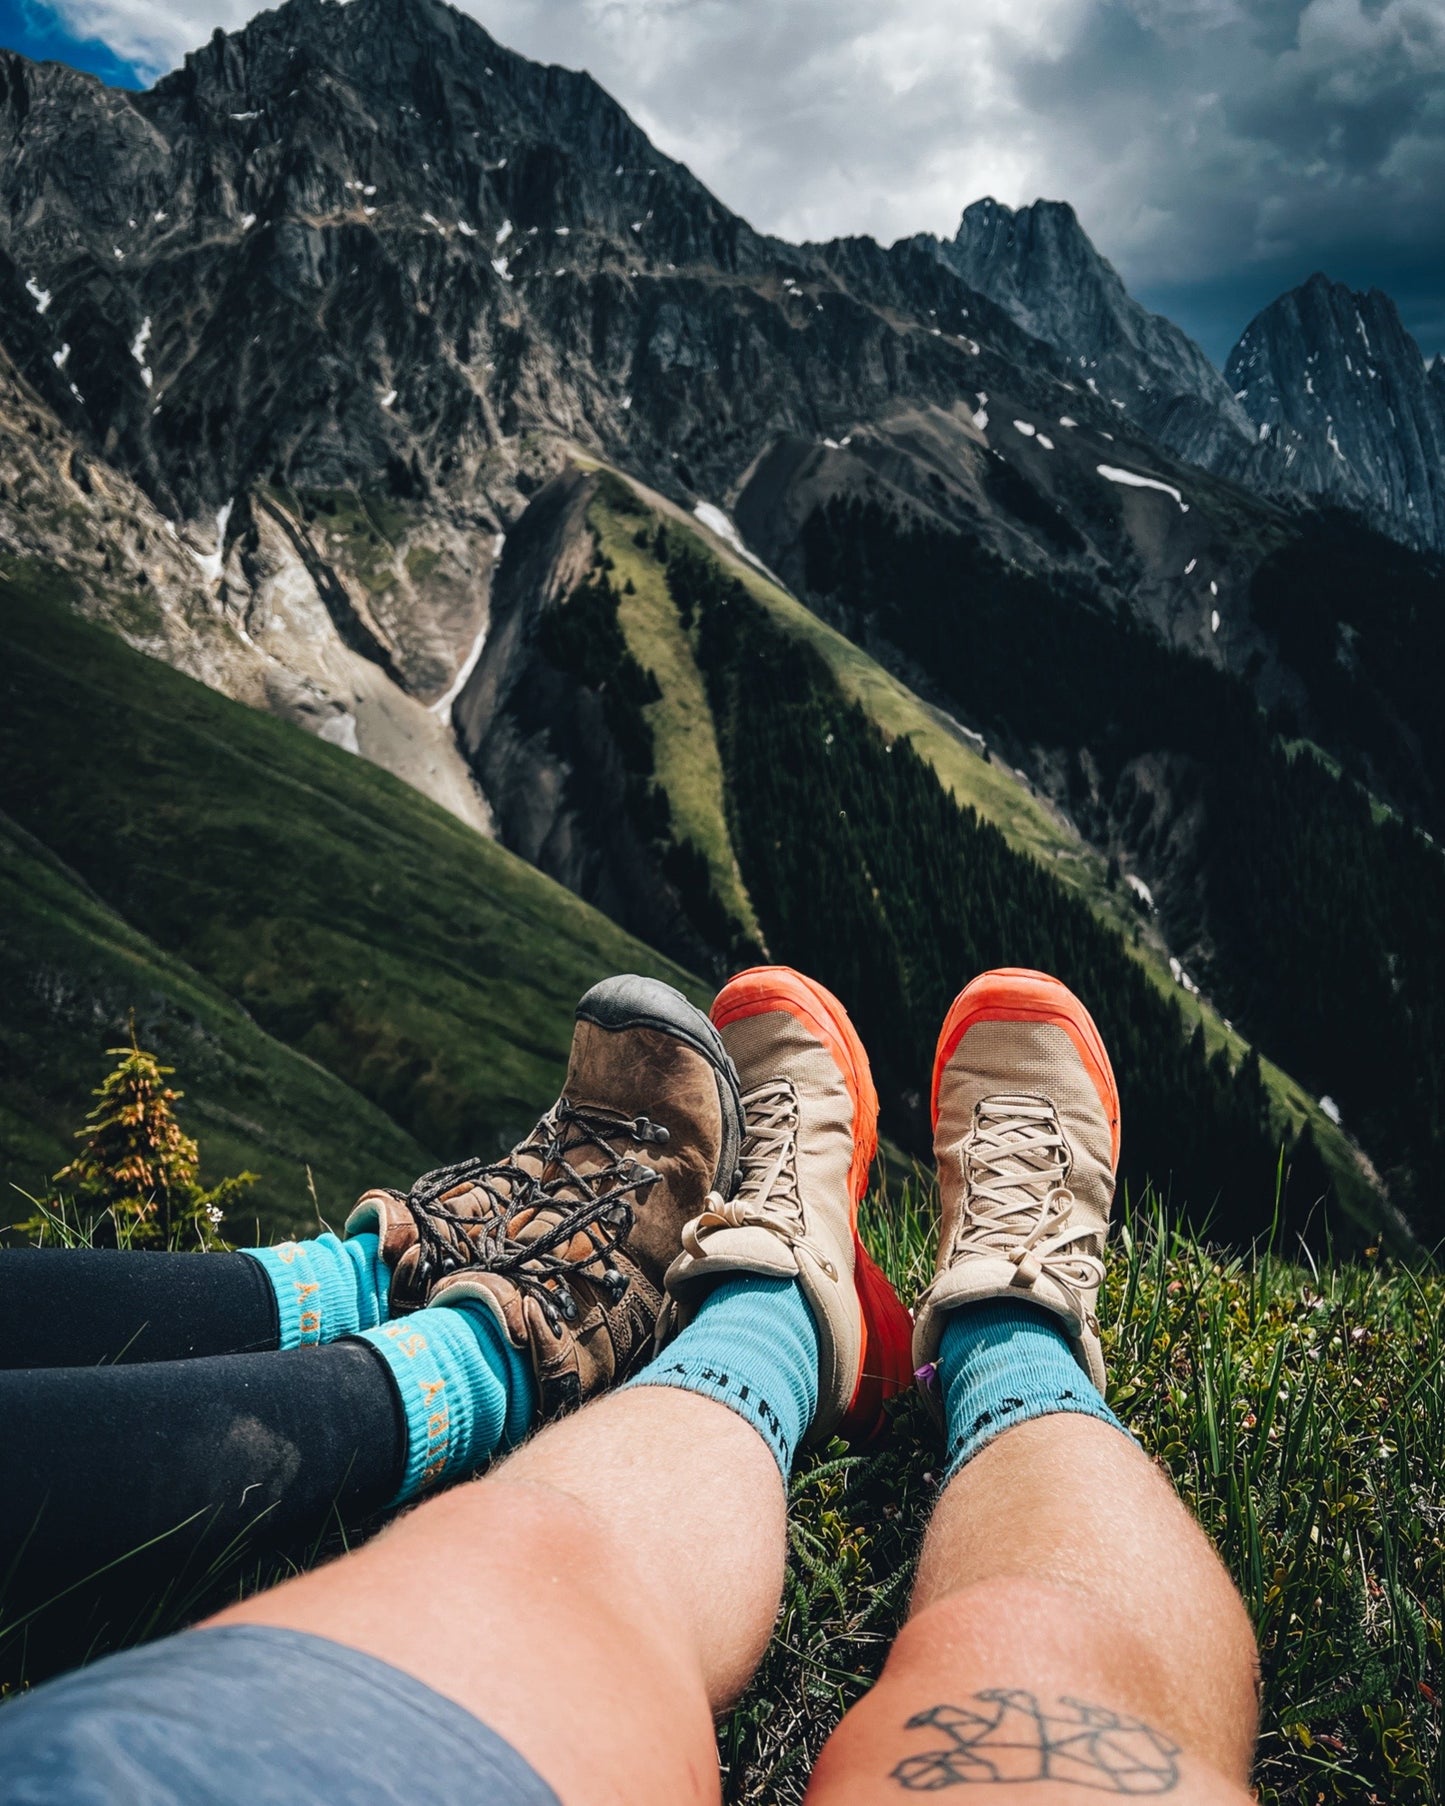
(595, 1600)
(591, 1602)
(1072, 1633)
(612, 1586)
(1072, 1630)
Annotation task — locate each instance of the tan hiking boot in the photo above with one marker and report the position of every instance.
(812, 1131)
(1026, 1134)
(567, 1240)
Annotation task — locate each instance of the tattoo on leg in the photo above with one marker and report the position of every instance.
(1007, 1736)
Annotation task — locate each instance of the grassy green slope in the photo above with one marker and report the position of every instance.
(72, 973)
(432, 972)
(1028, 823)
(688, 764)
(1031, 827)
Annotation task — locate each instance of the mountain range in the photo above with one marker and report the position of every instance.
(383, 380)
(1325, 394)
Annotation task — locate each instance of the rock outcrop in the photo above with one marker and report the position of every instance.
(1042, 268)
(1344, 406)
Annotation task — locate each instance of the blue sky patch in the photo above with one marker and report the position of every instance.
(39, 32)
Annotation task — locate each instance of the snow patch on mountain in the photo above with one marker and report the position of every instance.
(340, 730)
(713, 518)
(211, 564)
(138, 350)
(1131, 479)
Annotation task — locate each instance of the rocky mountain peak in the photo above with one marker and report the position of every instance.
(987, 222)
(1039, 264)
(343, 240)
(379, 41)
(1343, 403)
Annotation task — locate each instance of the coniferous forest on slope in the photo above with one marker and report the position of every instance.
(1325, 911)
(895, 896)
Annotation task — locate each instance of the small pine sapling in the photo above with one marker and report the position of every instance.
(139, 1172)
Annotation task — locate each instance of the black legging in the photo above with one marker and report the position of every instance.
(150, 1432)
(79, 1307)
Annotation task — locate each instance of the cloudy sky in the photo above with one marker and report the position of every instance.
(1218, 151)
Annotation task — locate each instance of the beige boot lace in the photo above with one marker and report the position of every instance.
(1017, 1202)
(767, 1196)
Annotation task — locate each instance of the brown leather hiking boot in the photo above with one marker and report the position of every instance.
(566, 1240)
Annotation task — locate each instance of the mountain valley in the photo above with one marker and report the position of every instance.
(392, 384)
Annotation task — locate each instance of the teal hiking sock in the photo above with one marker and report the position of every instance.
(1000, 1364)
(325, 1288)
(465, 1391)
(753, 1347)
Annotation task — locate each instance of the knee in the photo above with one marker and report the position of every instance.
(995, 1621)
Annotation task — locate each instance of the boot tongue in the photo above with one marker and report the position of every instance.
(612, 1079)
(1022, 1169)
(1025, 1165)
(1017, 1151)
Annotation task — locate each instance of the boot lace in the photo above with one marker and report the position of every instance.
(599, 1205)
(767, 1195)
(1017, 1202)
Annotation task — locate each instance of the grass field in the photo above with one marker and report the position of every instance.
(73, 975)
(688, 763)
(1299, 1414)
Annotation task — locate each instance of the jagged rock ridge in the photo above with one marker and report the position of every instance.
(1040, 265)
(1325, 394)
(1344, 404)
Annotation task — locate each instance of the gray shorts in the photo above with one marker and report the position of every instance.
(246, 1716)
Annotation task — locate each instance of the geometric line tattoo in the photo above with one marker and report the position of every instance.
(1012, 1739)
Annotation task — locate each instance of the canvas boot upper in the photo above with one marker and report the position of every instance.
(812, 1117)
(1026, 1134)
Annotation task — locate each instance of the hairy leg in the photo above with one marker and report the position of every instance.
(1072, 1633)
(595, 1599)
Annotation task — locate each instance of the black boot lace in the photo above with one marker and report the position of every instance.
(598, 1204)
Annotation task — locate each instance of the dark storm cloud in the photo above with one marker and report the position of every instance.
(1217, 150)
(1225, 152)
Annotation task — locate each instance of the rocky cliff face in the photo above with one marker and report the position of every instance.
(340, 294)
(362, 268)
(1344, 406)
(335, 300)
(1040, 266)
(1325, 394)
(367, 241)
